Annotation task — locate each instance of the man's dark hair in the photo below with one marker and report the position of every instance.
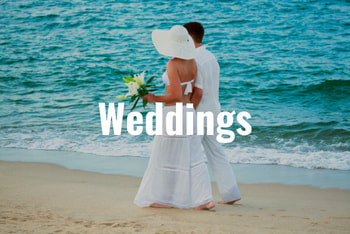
(196, 31)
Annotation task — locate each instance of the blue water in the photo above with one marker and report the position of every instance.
(286, 63)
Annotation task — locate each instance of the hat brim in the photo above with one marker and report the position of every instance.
(164, 46)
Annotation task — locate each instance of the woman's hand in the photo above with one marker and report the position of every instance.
(151, 98)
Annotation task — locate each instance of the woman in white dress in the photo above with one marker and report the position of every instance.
(177, 175)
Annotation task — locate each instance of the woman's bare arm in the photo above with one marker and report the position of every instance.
(173, 92)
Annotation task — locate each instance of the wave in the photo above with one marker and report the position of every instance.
(333, 95)
(294, 158)
(326, 86)
(331, 86)
(239, 154)
(320, 136)
(264, 146)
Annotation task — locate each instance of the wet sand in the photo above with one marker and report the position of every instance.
(39, 197)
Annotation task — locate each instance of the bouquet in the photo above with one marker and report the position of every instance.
(137, 88)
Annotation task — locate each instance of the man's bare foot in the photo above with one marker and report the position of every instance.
(156, 205)
(228, 203)
(206, 206)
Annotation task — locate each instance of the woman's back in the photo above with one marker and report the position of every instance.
(182, 75)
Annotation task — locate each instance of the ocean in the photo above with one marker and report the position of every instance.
(284, 62)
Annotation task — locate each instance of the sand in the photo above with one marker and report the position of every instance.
(45, 198)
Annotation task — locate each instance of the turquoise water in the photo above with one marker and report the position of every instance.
(287, 64)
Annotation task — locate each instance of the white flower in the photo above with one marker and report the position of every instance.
(133, 87)
(140, 79)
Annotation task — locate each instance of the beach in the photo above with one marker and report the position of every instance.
(47, 198)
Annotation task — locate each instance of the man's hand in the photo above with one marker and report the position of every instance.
(196, 97)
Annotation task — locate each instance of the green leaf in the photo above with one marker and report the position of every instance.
(120, 96)
(144, 103)
(128, 79)
(150, 80)
(133, 107)
(142, 91)
(133, 98)
(148, 86)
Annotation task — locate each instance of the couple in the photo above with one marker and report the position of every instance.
(177, 175)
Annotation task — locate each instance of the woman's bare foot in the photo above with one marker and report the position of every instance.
(228, 203)
(156, 205)
(206, 206)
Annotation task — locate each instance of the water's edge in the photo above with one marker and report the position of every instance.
(135, 166)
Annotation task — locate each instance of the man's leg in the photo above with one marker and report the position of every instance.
(223, 173)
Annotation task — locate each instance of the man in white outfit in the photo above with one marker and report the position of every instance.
(206, 98)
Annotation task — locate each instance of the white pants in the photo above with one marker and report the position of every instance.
(222, 170)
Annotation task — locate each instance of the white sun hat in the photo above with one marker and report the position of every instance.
(175, 42)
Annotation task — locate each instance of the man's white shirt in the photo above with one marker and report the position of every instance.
(208, 81)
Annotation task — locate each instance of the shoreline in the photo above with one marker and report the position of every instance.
(49, 198)
(136, 166)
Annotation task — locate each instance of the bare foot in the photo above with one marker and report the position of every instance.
(156, 205)
(228, 203)
(206, 206)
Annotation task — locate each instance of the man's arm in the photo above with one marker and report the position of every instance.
(196, 96)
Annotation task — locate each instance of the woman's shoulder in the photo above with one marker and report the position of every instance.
(175, 62)
(181, 65)
(180, 62)
(172, 64)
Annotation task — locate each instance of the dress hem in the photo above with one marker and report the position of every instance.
(148, 204)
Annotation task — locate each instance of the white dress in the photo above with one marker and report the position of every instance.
(176, 175)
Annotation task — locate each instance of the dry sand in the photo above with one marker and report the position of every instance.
(45, 198)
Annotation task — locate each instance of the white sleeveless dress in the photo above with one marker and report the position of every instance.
(176, 175)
